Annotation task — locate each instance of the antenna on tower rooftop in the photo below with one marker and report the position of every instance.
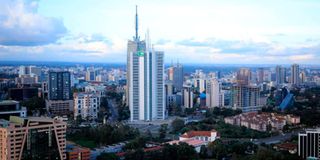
(137, 36)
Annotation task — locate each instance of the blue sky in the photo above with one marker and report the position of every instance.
(193, 31)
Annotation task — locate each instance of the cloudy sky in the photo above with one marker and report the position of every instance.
(193, 31)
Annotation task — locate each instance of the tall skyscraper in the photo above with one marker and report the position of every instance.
(59, 86)
(280, 75)
(260, 75)
(187, 96)
(60, 101)
(246, 98)
(175, 74)
(295, 74)
(145, 80)
(214, 95)
(243, 76)
(309, 144)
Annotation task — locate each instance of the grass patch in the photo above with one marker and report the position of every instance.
(86, 143)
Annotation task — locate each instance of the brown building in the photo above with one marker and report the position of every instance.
(75, 152)
(32, 138)
(59, 107)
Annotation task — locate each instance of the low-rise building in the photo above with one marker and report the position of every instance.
(206, 136)
(59, 107)
(11, 108)
(75, 152)
(192, 142)
(263, 121)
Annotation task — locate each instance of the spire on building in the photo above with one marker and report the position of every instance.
(137, 36)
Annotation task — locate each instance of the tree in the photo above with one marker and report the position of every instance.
(203, 152)
(108, 156)
(182, 151)
(135, 155)
(34, 104)
(177, 125)
(163, 131)
(139, 142)
(148, 135)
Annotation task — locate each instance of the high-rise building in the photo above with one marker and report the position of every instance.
(86, 105)
(260, 75)
(246, 98)
(30, 71)
(60, 101)
(200, 84)
(280, 75)
(175, 74)
(187, 96)
(309, 144)
(91, 74)
(145, 80)
(32, 138)
(214, 94)
(294, 78)
(303, 77)
(59, 86)
(243, 76)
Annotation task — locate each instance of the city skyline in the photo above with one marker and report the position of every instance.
(211, 32)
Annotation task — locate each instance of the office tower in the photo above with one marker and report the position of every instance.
(23, 70)
(91, 74)
(175, 74)
(309, 144)
(59, 86)
(145, 80)
(11, 108)
(60, 100)
(295, 74)
(32, 138)
(260, 75)
(214, 95)
(303, 77)
(169, 88)
(86, 105)
(280, 75)
(200, 84)
(35, 71)
(246, 98)
(30, 71)
(187, 96)
(243, 76)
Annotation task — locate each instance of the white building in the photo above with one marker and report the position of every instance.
(214, 94)
(86, 105)
(187, 96)
(197, 138)
(206, 136)
(145, 79)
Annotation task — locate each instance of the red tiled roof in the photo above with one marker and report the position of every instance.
(191, 134)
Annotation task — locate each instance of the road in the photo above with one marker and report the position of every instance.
(276, 139)
(113, 110)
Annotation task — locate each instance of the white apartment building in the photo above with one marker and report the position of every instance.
(86, 105)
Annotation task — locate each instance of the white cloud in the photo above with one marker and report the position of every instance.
(21, 25)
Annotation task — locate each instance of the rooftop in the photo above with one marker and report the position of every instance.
(191, 134)
(8, 102)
